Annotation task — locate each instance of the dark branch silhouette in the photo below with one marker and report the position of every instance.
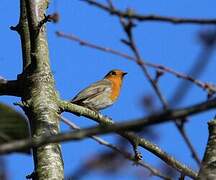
(130, 14)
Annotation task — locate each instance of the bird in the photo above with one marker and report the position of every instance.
(103, 93)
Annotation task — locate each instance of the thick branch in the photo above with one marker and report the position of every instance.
(122, 152)
(208, 169)
(35, 13)
(32, 16)
(23, 30)
(143, 122)
(40, 99)
(153, 18)
(10, 88)
(131, 136)
(157, 118)
(80, 134)
(154, 119)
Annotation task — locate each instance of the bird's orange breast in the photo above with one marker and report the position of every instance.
(116, 87)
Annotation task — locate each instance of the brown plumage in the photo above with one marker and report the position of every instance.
(103, 93)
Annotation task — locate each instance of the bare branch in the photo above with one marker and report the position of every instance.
(32, 16)
(110, 127)
(156, 118)
(130, 14)
(128, 27)
(204, 85)
(189, 144)
(10, 88)
(208, 170)
(131, 43)
(39, 95)
(125, 154)
(105, 120)
(80, 134)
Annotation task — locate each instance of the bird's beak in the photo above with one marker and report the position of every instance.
(124, 73)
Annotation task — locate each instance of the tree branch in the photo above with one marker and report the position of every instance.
(128, 27)
(154, 119)
(39, 98)
(122, 152)
(108, 126)
(23, 29)
(169, 114)
(10, 88)
(131, 43)
(210, 88)
(142, 122)
(208, 168)
(32, 15)
(130, 14)
(80, 134)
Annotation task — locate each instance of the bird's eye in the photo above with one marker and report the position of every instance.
(112, 73)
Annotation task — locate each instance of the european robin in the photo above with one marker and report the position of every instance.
(103, 93)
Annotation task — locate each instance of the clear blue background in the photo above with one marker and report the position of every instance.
(75, 67)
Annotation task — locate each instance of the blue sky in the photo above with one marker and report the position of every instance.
(75, 67)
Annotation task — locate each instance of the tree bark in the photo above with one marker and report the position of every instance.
(208, 169)
(39, 97)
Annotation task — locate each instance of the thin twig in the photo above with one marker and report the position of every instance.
(188, 142)
(107, 126)
(139, 141)
(131, 43)
(128, 27)
(107, 121)
(69, 107)
(130, 14)
(125, 154)
(195, 71)
(204, 85)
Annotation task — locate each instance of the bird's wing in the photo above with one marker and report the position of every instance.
(93, 90)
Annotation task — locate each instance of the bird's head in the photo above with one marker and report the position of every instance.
(115, 74)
